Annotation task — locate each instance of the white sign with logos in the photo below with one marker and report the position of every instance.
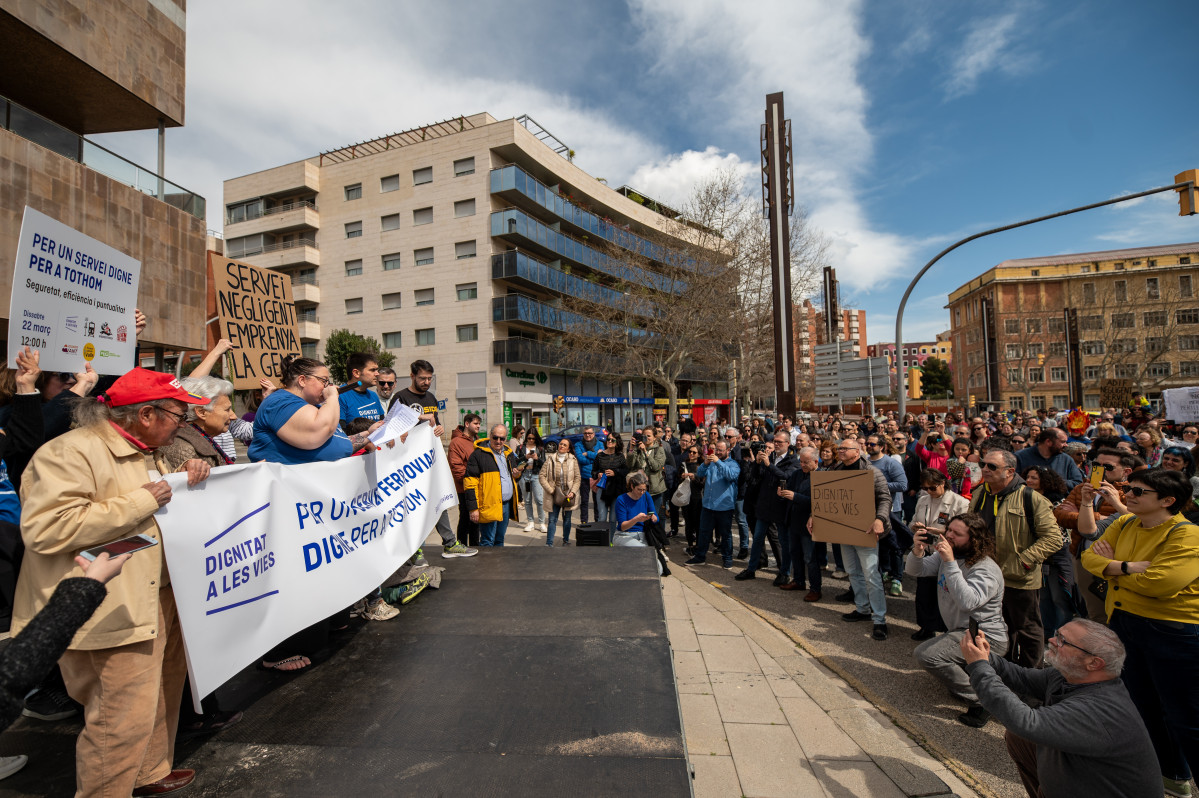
(72, 299)
(525, 380)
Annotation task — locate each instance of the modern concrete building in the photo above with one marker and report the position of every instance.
(1138, 320)
(74, 68)
(914, 354)
(454, 243)
(811, 331)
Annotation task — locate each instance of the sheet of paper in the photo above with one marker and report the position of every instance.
(399, 419)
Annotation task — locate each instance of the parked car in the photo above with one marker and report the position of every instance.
(575, 434)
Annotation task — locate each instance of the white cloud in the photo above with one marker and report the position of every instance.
(1149, 221)
(990, 46)
(672, 178)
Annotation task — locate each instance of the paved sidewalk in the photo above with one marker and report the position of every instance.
(761, 718)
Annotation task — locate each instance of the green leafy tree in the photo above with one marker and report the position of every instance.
(343, 343)
(937, 380)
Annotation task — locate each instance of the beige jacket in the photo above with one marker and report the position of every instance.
(565, 474)
(82, 489)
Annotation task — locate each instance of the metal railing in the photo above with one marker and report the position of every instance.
(296, 242)
(291, 206)
(56, 138)
(305, 280)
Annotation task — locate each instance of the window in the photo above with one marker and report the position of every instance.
(1057, 325)
(304, 276)
(1155, 344)
(464, 208)
(1093, 347)
(1156, 318)
(422, 176)
(1091, 323)
(391, 340)
(1057, 348)
(390, 222)
(464, 166)
(426, 337)
(422, 216)
(1061, 400)
(467, 291)
(353, 229)
(1036, 375)
(1184, 260)
(1090, 400)
(389, 183)
(1152, 291)
(354, 192)
(1188, 368)
(1015, 375)
(1012, 351)
(1124, 321)
(423, 257)
(464, 249)
(353, 306)
(242, 211)
(353, 268)
(1011, 326)
(1093, 372)
(392, 301)
(424, 296)
(308, 349)
(391, 262)
(1125, 371)
(957, 317)
(1038, 403)
(306, 314)
(1032, 350)
(1152, 262)
(1187, 316)
(1057, 374)
(1126, 346)
(1032, 326)
(1088, 291)
(1121, 290)
(468, 332)
(1188, 343)
(1184, 282)
(1119, 266)
(1015, 402)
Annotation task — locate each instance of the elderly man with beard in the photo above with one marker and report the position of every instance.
(1086, 737)
(969, 588)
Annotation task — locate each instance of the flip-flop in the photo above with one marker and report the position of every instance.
(274, 666)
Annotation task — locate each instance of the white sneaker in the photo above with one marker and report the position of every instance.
(529, 527)
(11, 764)
(543, 528)
(380, 610)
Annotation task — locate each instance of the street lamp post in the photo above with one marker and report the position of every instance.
(1187, 187)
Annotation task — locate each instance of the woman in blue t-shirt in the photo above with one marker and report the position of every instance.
(633, 509)
(301, 423)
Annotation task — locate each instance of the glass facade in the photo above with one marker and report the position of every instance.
(514, 264)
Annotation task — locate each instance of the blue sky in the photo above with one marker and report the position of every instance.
(916, 123)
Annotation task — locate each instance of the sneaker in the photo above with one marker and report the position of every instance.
(831, 567)
(1173, 787)
(743, 553)
(543, 527)
(11, 764)
(846, 597)
(52, 704)
(744, 575)
(977, 717)
(813, 595)
(855, 616)
(358, 609)
(695, 561)
(380, 610)
(880, 631)
(839, 574)
(895, 588)
(529, 526)
(456, 549)
(413, 588)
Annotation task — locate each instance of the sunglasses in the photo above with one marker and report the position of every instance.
(497, 437)
(1138, 491)
(386, 384)
(990, 466)
(1017, 440)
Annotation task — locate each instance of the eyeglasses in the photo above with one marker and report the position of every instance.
(990, 466)
(497, 437)
(386, 384)
(876, 443)
(1017, 440)
(1061, 641)
(324, 380)
(180, 418)
(1138, 491)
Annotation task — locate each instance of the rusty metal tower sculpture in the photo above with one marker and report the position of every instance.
(778, 201)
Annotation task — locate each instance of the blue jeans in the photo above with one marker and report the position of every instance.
(606, 513)
(761, 530)
(1160, 672)
(722, 521)
(861, 563)
(742, 524)
(534, 497)
(491, 533)
(584, 493)
(552, 524)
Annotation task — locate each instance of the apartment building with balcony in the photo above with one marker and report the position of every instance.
(82, 68)
(914, 354)
(1138, 320)
(811, 331)
(455, 243)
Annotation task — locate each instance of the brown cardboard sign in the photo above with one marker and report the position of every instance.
(843, 507)
(255, 311)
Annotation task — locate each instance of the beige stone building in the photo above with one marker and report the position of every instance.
(1138, 319)
(73, 68)
(453, 243)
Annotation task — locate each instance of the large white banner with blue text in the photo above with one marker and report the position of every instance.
(73, 299)
(258, 552)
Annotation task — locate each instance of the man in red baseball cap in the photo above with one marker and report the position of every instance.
(93, 485)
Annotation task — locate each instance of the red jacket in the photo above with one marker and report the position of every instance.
(461, 445)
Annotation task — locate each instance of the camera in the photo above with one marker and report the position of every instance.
(638, 437)
(757, 447)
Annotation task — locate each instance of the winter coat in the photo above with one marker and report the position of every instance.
(565, 474)
(653, 462)
(461, 446)
(483, 488)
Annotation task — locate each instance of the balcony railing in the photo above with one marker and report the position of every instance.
(537, 353)
(56, 138)
(259, 250)
(251, 213)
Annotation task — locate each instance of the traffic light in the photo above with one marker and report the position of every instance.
(1186, 195)
(559, 403)
(1041, 360)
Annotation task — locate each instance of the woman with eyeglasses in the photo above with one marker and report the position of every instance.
(1179, 458)
(560, 481)
(609, 468)
(935, 507)
(1150, 559)
(531, 451)
(692, 460)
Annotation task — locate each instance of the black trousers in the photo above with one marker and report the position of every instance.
(468, 531)
(1022, 614)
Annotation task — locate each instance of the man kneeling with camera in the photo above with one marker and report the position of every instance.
(969, 595)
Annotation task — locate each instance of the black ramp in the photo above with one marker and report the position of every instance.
(532, 671)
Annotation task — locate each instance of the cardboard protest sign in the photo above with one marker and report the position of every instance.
(255, 311)
(1115, 393)
(1182, 404)
(72, 299)
(843, 507)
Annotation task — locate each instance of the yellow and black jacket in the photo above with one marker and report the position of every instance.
(482, 488)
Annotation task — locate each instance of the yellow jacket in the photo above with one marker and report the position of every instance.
(82, 489)
(1169, 589)
(482, 486)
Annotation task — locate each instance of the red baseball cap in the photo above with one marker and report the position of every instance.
(143, 385)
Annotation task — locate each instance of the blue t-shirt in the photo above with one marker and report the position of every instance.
(359, 405)
(626, 508)
(274, 412)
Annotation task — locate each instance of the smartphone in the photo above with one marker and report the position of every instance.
(1096, 476)
(973, 630)
(119, 547)
(782, 484)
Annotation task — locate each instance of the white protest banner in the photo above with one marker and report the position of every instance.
(258, 552)
(72, 299)
(399, 419)
(1182, 404)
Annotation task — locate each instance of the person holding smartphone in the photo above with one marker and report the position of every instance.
(970, 592)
